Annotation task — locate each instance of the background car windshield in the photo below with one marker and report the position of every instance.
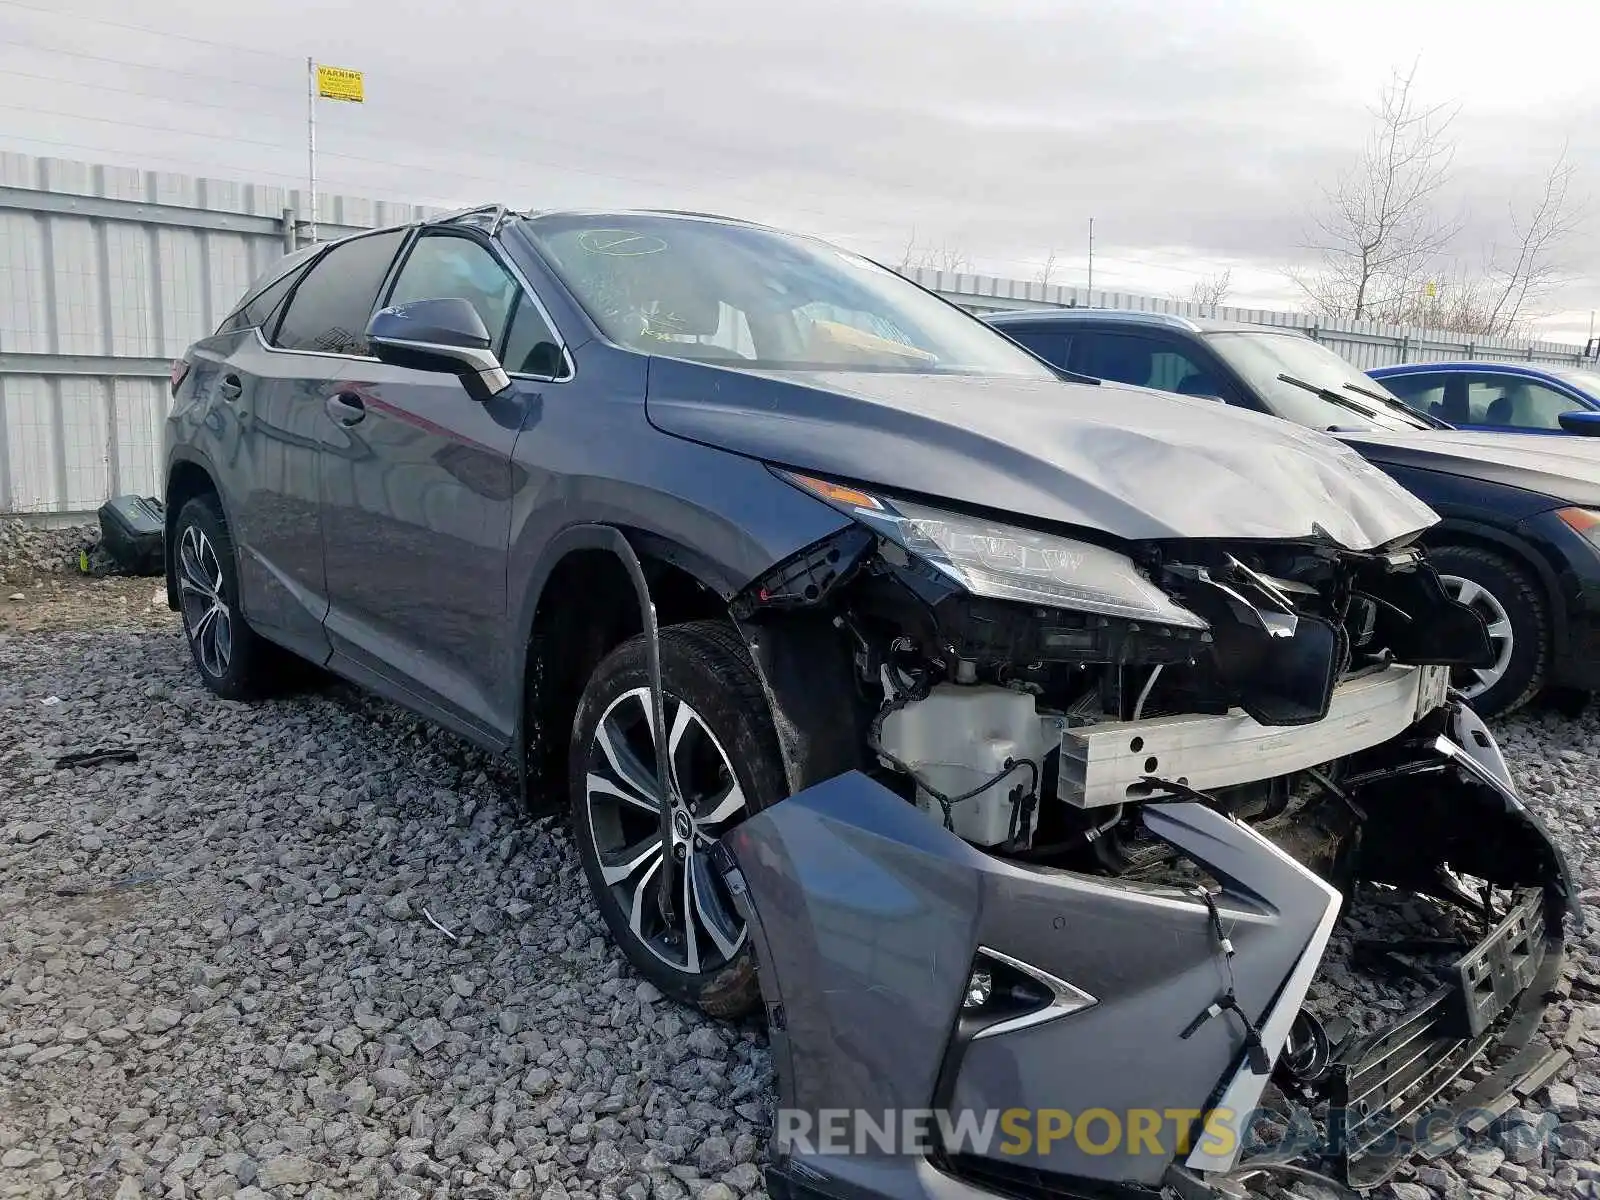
(1261, 357)
(750, 297)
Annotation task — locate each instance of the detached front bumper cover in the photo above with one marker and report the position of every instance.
(883, 943)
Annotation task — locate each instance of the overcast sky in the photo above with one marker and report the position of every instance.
(1196, 133)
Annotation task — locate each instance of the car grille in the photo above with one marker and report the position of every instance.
(1383, 1101)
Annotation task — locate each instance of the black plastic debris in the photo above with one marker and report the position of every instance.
(132, 529)
(98, 757)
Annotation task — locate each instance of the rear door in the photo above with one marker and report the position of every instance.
(417, 485)
(269, 442)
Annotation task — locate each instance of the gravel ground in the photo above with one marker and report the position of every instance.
(222, 972)
(43, 584)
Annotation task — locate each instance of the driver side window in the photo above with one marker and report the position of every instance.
(444, 265)
(1515, 402)
(449, 265)
(1143, 361)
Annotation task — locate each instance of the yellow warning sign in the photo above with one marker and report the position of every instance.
(340, 83)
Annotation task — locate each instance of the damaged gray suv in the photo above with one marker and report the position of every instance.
(1014, 741)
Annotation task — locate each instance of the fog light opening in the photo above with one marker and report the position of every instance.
(1004, 994)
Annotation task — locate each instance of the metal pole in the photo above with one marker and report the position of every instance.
(1090, 288)
(311, 141)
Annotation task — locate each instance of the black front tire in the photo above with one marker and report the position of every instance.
(1513, 591)
(233, 660)
(706, 667)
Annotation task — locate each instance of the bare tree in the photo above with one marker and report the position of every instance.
(1212, 290)
(1379, 229)
(932, 258)
(1495, 299)
(1048, 269)
(951, 259)
(908, 256)
(1532, 270)
(1458, 301)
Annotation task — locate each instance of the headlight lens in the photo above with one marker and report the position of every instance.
(1585, 521)
(1007, 563)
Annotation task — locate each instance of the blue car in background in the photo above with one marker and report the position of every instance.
(1510, 397)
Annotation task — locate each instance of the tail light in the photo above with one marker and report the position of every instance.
(180, 371)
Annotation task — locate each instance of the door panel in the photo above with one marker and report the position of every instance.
(416, 501)
(274, 466)
(281, 419)
(417, 487)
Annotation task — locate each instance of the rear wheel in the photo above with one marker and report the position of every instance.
(723, 755)
(1517, 616)
(234, 661)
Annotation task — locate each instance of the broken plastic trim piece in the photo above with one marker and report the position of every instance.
(1242, 1094)
(867, 919)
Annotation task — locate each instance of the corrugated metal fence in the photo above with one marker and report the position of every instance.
(107, 274)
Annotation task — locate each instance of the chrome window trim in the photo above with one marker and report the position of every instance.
(498, 254)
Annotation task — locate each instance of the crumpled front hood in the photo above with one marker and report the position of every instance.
(1564, 467)
(1131, 462)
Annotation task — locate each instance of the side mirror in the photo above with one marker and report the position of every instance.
(439, 335)
(1581, 420)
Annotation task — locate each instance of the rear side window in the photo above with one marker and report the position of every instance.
(262, 300)
(328, 312)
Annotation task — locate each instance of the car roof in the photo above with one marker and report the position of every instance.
(1122, 316)
(1517, 368)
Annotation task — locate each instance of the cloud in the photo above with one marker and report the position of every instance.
(1196, 134)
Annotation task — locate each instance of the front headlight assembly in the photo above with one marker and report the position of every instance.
(1005, 562)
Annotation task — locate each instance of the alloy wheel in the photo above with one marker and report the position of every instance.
(1472, 682)
(624, 796)
(207, 618)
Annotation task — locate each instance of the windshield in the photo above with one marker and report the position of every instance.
(1584, 381)
(1260, 358)
(749, 297)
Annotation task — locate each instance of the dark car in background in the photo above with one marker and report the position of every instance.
(1519, 538)
(860, 644)
(1507, 397)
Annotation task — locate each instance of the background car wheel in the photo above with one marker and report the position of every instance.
(724, 755)
(234, 662)
(1514, 608)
